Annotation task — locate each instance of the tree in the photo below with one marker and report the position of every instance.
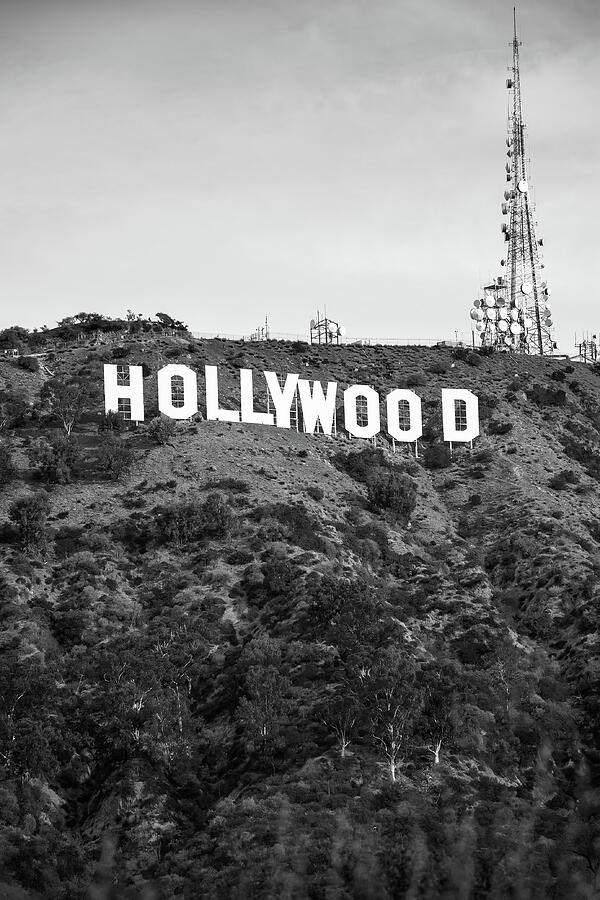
(261, 712)
(14, 412)
(169, 322)
(392, 700)
(341, 715)
(68, 399)
(439, 713)
(29, 514)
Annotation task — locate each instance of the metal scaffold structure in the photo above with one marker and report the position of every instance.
(514, 313)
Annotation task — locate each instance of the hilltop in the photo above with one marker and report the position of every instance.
(244, 661)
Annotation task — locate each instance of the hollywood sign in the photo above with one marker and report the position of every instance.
(178, 399)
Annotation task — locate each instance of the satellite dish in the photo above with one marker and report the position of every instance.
(515, 328)
(503, 325)
(514, 314)
(332, 328)
(523, 186)
(547, 311)
(491, 314)
(526, 288)
(489, 301)
(528, 322)
(502, 262)
(548, 323)
(504, 209)
(312, 323)
(479, 326)
(475, 313)
(502, 313)
(508, 339)
(491, 327)
(509, 83)
(547, 291)
(503, 228)
(342, 331)
(500, 301)
(507, 169)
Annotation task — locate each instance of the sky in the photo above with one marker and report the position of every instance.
(229, 160)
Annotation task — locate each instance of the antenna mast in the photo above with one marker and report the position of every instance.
(514, 314)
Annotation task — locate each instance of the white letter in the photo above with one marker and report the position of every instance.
(316, 407)
(133, 390)
(165, 392)
(282, 397)
(393, 401)
(451, 416)
(213, 410)
(247, 396)
(350, 412)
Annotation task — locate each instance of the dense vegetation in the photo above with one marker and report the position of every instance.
(251, 663)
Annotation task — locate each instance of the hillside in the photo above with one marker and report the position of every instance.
(251, 662)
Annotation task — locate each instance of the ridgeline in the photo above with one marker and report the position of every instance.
(241, 661)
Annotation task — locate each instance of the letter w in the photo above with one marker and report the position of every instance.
(315, 406)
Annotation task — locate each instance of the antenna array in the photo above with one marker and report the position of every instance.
(514, 313)
(325, 331)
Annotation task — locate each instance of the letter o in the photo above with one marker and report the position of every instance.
(373, 425)
(190, 392)
(393, 400)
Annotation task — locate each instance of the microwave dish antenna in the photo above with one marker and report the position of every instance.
(523, 290)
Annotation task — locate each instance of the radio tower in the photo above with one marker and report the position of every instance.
(514, 313)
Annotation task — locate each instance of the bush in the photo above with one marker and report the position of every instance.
(237, 485)
(559, 481)
(474, 359)
(302, 528)
(317, 493)
(392, 490)
(437, 456)
(360, 463)
(115, 458)
(189, 521)
(119, 353)
(416, 379)
(56, 458)
(547, 395)
(29, 363)
(438, 368)
(495, 426)
(29, 514)
(7, 466)
(161, 429)
(111, 421)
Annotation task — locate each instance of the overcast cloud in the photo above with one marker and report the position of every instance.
(227, 160)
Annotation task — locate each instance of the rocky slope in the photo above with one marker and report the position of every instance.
(269, 664)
